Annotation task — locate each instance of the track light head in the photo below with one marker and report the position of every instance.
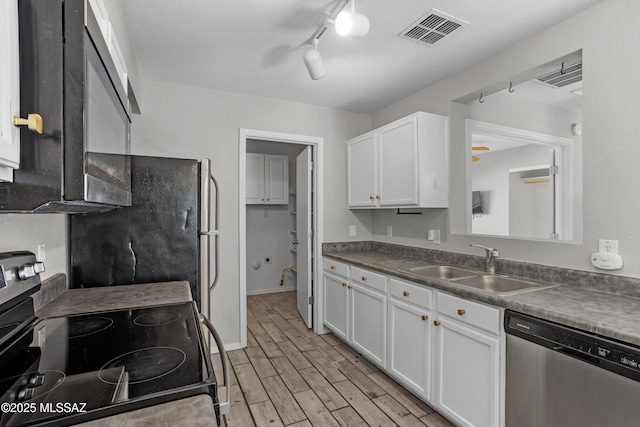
(352, 24)
(313, 61)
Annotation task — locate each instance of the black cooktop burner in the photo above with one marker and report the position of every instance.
(157, 318)
(82, 327)
(107, 362)
(147, 364)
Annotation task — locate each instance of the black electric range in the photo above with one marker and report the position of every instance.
(71, 369)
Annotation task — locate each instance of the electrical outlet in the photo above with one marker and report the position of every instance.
(433, 236)
(40, 256)
(608, 246)
(389, 231)
(352, 231)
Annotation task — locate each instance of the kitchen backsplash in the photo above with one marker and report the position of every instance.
(583, 279)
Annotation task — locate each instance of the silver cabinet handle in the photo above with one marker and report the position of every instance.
(225, 404)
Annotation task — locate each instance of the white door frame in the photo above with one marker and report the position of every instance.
(317, 144)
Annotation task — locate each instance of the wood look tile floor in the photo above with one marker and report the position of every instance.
(289, 376)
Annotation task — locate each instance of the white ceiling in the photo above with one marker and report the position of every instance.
(255, 47)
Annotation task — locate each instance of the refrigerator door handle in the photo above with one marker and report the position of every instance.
(215, 232)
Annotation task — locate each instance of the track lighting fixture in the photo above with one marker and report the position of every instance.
(313, 61)
(347, 23)
(351, 24)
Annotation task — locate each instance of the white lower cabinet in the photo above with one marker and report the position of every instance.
(467, 374)
(355, 308)
(368, 319)
(335, 304)
(410, 346)
(468, 343)
(447, 350)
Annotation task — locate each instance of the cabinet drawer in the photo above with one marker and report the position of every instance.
(369, 278)
(469, 312)
(414, 294)
(336, 267)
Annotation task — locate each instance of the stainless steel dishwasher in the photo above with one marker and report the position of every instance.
(560, 376)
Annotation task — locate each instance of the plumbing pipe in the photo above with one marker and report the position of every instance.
(290, 268)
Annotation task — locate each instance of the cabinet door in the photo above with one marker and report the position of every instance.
(368, 323)
(398, 153)
(276, 179)
(335, 305)
(9, 90)
(361, 173)
(255, 179)
(410, 346)
(468, 375)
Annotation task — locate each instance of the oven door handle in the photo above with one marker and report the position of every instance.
(225, 405)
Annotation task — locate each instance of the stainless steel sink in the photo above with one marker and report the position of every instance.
(443, 272)
(500, 285)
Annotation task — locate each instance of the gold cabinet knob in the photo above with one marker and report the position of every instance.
(436, 323)
(461, 311)
(33, 122)
(364, 278)
(349, 287)
(371, 198)
(425, 317)
(344, 285)
(377, 197)
(405, 293)
(333, 267)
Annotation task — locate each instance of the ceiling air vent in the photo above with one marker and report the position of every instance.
(432, 27)
(564, 76)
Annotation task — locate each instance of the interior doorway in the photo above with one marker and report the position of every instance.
(279, 248)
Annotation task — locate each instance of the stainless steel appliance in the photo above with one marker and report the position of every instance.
(68, 77)
(98, 364)
(165, 235)
(563, 377)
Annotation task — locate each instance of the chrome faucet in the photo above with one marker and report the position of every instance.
(491, 255)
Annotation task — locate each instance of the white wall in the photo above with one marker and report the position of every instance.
(27, 231)
(268, 236)
(610, 140)
(189, 122)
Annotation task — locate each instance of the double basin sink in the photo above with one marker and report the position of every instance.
(492, 283)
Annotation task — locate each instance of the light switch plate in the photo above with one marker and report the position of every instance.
(433, 236)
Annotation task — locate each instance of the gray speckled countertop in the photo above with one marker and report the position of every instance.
(196, 411)
(88, 300)
(613, 315)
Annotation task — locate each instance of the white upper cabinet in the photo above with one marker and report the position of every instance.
(401, 164)
(267, 179)
(362, 171)
(9, 89)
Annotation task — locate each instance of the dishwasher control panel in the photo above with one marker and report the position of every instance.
(605, 352)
